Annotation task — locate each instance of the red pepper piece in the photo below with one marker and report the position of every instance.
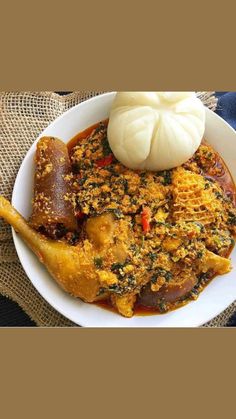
(145, 217)
(79, 215)
(105, 161)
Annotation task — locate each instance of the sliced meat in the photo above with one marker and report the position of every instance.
(170, 292)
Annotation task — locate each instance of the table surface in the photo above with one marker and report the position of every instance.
(12, 315)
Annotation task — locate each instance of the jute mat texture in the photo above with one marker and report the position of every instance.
(23, 116)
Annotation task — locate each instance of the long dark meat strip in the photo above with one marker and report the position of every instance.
(52, 209)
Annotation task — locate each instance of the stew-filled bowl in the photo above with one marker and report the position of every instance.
(217, 295)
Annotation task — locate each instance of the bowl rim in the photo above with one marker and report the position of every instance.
(53, 303)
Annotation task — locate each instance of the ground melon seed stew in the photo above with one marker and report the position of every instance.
(165, 234)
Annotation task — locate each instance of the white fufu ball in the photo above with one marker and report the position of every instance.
(155, 130)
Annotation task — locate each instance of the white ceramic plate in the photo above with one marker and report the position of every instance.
(219, 294)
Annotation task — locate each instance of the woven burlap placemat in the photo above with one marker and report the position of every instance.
(23, 116)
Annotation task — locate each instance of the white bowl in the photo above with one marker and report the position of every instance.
(219, 294)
